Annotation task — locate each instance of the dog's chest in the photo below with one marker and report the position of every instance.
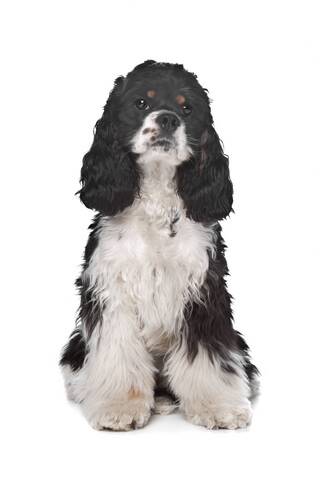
(154, 258)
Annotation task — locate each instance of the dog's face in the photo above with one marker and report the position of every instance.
(158, 111)
(161, 111)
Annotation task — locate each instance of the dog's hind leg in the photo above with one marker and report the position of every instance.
(71, 363)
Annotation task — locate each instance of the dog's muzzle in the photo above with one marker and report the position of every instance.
(167, 123)
(164, 131)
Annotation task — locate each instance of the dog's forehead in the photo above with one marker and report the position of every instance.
(159, 86)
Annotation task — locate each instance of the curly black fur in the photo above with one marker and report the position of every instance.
(204, 181)
(109, 174)
(75, 351)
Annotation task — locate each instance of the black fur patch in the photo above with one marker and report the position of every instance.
(89, 313)
(92, 241)
(251, 370)
(210, 324)
(204, 182)
(75, 351)
(90, 310)
(109, 174)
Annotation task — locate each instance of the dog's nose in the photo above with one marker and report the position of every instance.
(168, 122)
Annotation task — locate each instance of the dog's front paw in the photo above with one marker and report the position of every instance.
(120, 417)
(120, 421)
(221, 416)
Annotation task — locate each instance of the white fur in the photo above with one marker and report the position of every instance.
(140, 267)
(141, 142)
(208, 395)
(143, 276)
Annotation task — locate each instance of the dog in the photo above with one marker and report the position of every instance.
(155, 328)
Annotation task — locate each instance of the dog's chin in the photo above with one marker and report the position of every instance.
(163, 145)
(165, 150)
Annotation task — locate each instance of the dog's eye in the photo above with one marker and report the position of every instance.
(187, 109)
(142, 104)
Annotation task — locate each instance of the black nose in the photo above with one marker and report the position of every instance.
(168, 122)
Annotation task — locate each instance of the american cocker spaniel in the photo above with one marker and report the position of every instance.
(155, 329)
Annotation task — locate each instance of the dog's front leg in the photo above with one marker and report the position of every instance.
(209, 394)
(118, 374)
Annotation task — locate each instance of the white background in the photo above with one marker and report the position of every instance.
(260, 62)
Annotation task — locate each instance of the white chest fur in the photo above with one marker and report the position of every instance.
(151, 259)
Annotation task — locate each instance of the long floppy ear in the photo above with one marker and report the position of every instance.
(204, 183)
(109, 174)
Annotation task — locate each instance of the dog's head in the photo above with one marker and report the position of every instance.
(158, 112)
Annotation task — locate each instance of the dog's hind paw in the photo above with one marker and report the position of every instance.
(164, 405)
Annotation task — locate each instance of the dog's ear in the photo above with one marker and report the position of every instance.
(203, 181)
(109, 174)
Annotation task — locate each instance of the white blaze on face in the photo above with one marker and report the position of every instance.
(143, 140)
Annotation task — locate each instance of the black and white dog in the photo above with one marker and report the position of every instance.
(155, 321)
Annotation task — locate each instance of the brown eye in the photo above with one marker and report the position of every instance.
(187, 109)
(141, 104)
